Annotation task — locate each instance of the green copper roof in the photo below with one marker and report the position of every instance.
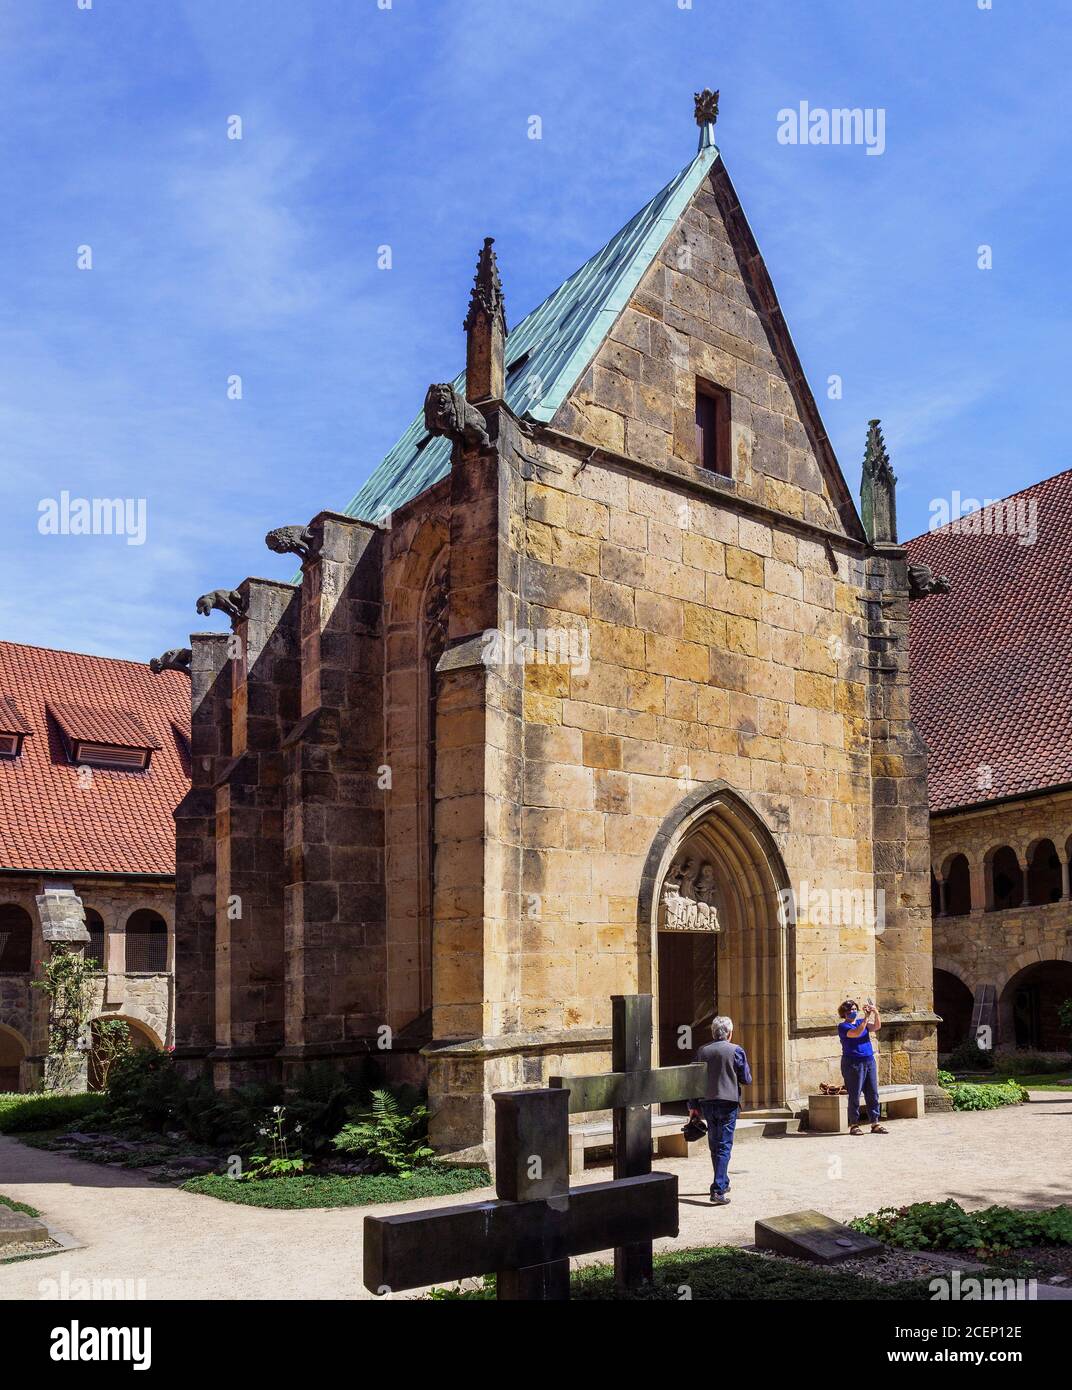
(548, 351)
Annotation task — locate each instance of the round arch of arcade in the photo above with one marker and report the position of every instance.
(14, 1047)
(730, 950)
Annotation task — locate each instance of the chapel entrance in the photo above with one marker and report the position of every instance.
(718, 943)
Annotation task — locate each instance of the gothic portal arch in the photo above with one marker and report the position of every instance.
(713, 934)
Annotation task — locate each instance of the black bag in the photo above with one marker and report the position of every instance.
(695, 1129)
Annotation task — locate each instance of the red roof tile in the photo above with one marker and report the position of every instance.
(11, 721)
(991, 675)
(117, 727)
(119, 821)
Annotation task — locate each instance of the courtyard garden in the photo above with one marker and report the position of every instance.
(337, 1139)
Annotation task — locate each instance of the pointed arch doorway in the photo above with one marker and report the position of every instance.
(713, 937)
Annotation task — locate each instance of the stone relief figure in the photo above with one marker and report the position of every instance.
(174, 659)
(688, 897)
(447, 412)
(228, 601)
(291, 540)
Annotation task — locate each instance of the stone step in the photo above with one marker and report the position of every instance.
(16, 1228)
(766, 1128)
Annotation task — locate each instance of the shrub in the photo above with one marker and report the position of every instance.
(969, 1056)
(1011, 1061)
(390, 1137)
(947, 1226)
(968, 1095)
(38, 1110)
(143, 1091)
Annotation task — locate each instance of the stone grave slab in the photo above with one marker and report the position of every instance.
(809, 1235)
(16, 1228)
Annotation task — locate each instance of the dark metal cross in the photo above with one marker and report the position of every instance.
(630, 1090)
(538, 1221)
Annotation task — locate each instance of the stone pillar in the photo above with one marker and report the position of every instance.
(195, 851)
(476, 936)
(977, 882)
(901, 834)
(63, 929)
(250, 864)
(337, 963)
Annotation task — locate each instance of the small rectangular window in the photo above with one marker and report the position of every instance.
(713, 429)
(108, 755)
(10, 745)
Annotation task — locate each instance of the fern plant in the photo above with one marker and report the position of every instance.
(391, 1138)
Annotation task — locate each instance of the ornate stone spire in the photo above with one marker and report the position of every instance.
(487, 292)
(485, 326)
(706, 111)
(878, 489)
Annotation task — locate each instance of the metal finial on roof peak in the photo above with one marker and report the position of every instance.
(487, 292)
(706, 113)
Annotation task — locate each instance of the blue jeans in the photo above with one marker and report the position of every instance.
(721, 1117)
(861, 1073)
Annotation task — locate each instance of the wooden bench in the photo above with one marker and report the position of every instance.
(830, 1114)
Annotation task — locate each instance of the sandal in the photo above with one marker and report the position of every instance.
(856, 1130)
(879, 1129)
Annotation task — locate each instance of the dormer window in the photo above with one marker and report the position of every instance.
(105, 738)
(13, 728)
(110, 755)
(713, 429)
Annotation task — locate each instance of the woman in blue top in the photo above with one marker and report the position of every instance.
(858, 1068)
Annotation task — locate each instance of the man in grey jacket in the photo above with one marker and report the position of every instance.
(727, 1071)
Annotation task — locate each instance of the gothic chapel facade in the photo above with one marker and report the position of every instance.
(599, 686)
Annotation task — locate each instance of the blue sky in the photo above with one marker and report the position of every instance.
(408, 126)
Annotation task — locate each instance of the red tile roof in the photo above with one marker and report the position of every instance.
(11, 721)
(990, 668)
(118, 727)
(120, 822)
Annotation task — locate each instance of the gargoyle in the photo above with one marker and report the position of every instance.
(174, 659)
(291, 540)
(922, 581)
(447, 412)
(228, 601)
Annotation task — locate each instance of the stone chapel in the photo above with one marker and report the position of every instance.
(599, 685)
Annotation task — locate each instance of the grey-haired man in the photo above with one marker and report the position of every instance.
(727, 1071)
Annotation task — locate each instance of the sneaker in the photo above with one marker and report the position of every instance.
(719, 1199)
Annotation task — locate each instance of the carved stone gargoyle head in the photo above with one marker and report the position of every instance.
(174, 659)
(228, 601)
(447, 412)
(922, 581)
(291, 540)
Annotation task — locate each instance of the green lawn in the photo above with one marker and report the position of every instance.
(719, 1273)
(1047, 1081)
(12, 1205)
(24, 1114)
(310, 1190)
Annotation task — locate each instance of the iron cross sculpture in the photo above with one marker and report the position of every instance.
(630, 1090)
(538, 1221)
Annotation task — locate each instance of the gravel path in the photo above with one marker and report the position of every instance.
(187, 1246)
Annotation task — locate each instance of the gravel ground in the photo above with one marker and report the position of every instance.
(891, 1267)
